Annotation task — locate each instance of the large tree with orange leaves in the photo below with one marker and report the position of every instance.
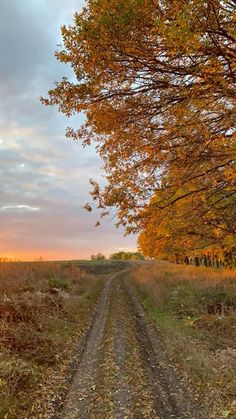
(186, 229)
(156, 81)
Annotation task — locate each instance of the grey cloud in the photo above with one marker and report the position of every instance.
(39, 167)
(29, 33)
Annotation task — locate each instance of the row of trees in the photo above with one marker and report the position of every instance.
(119, 256)
(157, 82)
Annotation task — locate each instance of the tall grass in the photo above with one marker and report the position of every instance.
(42, 304)
(195, 309)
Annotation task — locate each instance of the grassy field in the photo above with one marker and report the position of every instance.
(195, 311)
(44, 309)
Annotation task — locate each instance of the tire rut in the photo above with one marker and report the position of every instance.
(84, 380)
(173, 399)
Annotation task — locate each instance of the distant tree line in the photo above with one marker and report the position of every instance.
(127, 256)
(214, 258)
(119, 256)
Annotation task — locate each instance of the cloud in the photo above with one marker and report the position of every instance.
(44, 176)
(19, 207)
(29, 34)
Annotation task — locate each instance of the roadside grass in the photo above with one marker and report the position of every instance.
(195, 311)
(43, 307)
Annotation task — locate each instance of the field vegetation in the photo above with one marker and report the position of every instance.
(44, 309)
(195, 311)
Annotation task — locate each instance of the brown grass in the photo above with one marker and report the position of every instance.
(195, 309)
(42, 306)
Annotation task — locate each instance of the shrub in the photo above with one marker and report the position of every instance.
(59, 283)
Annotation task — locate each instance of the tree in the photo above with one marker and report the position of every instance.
(156, 80)
(186, 230)
(126, 256)
(98, 256)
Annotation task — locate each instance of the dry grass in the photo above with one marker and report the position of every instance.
(195, 309)
(41, 306)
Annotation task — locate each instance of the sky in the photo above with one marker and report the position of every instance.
(44, 177)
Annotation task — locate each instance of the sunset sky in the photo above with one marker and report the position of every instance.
(44, 176)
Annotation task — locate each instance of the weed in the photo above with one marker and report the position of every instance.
(16, 374)
(58, 283)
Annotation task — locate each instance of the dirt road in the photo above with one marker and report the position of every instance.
(124, 371)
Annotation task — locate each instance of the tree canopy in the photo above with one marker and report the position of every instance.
(98, 256)
(156, 81)
(122, 255)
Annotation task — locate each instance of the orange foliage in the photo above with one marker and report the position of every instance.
(156, 80)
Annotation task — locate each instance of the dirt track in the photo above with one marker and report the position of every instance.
(123, 370)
